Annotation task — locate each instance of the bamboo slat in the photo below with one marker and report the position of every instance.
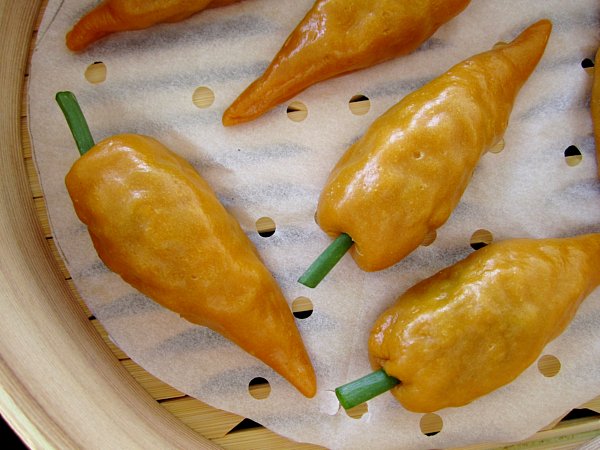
(206, 420)
(155, 387)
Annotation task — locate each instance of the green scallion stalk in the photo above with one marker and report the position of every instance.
(365, 388)
(326, 261)
(76, 121)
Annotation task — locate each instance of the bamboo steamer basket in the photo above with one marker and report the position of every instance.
(63, 384)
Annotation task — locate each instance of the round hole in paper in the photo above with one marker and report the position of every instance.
(572, 156)
(203, 97)
(549, 365)
(431, 424)
(498, 147)
(430, 238)
(259, 388)
(95, 73)
(265, 226)
(480, 238)
(588, 65)
(297, 111)
(302, 308)
(359, 104)
(358, 411)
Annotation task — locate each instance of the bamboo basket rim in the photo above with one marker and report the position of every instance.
(42, 321)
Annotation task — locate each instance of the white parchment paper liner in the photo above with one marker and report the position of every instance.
(276, 167)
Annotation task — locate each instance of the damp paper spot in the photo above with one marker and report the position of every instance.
(275, 167)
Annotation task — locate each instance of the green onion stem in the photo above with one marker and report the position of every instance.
(76, 121)
(365, 388)
(326, 260)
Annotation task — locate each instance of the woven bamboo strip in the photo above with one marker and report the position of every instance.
(206, 420)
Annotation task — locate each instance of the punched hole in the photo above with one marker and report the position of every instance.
(431, 424)
(297, 111)
(588, 66)
(549, 365)
(587, 63)
(359, 104)
(573, 156)
(429, 238)
(498, 147)
(480, 239)
(203, 97)
(358, 411)
(95, 73)
(265, 226)
(302, 308)
(259, 388)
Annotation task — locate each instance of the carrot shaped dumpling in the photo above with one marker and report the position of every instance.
(340, 36)
(405, 175)
(155, 222)
(475, 326)
(112, 16)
